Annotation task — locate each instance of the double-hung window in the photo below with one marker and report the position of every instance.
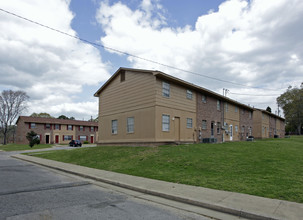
(189, 94)
(165, 122)
(204, 124)
(189, 123)
(165, 89)
(114, 126)
(130, 124)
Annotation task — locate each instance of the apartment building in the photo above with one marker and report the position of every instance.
(56, 131)
(148, 107)
(267, 125)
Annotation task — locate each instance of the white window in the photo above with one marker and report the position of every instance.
(67, 137)
(226, 107)
(236, 128)
(165, 89)
(204, 124)
(189, 94)
(92, 128)
(218, 105)
(243, 129)
(114, 126)
(81, 128)
(33, 125)
(236, 109)
(189, 123)
(47, 126)
(203, 98)
(218, 127)
(130, 125)
(83, 138)
(165, 122)
(69, 127)
(250, 114)
(57, 127)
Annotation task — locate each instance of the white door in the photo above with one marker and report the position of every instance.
(231, 132)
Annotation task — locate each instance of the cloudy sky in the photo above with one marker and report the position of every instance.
(252, 48)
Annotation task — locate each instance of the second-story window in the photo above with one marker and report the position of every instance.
(32, 125)
(47, 126)
(69, 127)
(57, 127)
(218, 105)
(203, 98)
(81, 128)
(165, 89)
(189, 94)
(236, 109)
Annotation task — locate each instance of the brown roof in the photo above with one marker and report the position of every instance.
(39, 120)
(176, 80)
(269, 113)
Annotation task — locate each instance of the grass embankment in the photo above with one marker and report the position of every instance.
(270, 168)
(21, 147)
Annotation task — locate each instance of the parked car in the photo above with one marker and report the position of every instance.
(75, 143)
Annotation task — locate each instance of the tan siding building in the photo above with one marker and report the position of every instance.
(145, 107)
(267, 125)
(148, 107)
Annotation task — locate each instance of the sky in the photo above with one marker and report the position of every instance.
(253, 48)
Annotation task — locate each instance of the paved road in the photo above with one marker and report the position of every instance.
(28, 191)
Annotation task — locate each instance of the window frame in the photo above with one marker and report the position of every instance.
(189, 123)
(165, 89)
(218, 105)
(165, 122)
(189, 94)
(204, 125)
(130, 127)
(203, 99)
(114, 126)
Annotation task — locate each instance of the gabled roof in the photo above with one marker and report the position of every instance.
(176, 80)
(40, 120)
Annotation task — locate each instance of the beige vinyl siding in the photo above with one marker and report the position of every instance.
(137, 91)
(177, 99)
(144, 127)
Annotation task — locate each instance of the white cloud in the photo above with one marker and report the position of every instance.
(257, 43)
(50, 67)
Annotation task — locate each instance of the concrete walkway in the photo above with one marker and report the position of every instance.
(237, 204)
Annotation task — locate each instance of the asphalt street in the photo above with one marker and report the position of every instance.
(29, 191)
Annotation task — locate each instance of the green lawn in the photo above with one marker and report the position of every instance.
(270, 168)
(20, 147)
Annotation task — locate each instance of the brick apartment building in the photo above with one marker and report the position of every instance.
(56, 131)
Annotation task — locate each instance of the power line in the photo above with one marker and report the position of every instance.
(253, 94)
(128, 54)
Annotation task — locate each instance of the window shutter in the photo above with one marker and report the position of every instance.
(40, 137)
(44, 126)
(90, 128)
(72, 128)
(59, 127)
(29, 125)
(63, 138)
(66, 127)
(78, 128)
(72, 137)
(83, 128)
(86, 138)
(78, 137)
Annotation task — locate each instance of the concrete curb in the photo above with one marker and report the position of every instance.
(240, 205)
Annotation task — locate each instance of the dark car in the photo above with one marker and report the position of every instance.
(75, 143)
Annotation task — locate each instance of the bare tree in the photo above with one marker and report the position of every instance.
(12, 103)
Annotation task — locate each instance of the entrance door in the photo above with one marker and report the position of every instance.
(177, 129)
(57, 139)
(231, 132)
(91, 139)
(47, 139)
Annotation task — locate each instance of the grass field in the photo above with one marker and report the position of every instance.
(20, 147)
(270, 168)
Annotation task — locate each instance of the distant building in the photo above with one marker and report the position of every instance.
(56, 131)
(144, 107)
(268, 125)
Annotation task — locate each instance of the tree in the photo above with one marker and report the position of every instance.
(41, 115)
(268, 109)
(12, 104)
(63, 117)
(291, 102)
(33, 138)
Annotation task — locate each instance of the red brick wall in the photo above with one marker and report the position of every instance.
(208, 111)
(245, 121)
